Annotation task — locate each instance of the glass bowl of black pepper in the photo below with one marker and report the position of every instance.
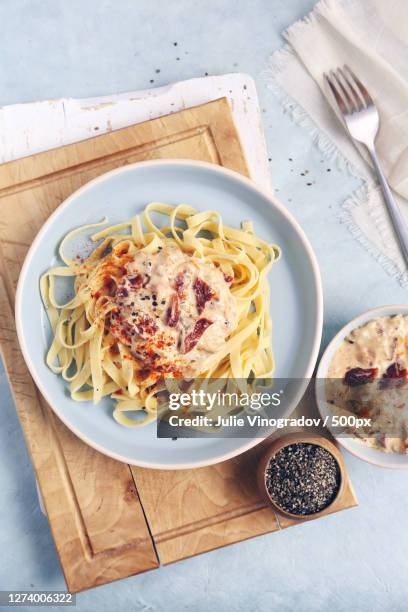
(301, 475)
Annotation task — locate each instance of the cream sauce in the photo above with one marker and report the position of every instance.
(173, 311)
(380, 349)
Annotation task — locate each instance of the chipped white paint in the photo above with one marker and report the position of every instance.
(30, 128)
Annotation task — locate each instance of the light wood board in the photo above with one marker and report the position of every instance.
(110, 520)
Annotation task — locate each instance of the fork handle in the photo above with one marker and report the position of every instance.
(400, 227)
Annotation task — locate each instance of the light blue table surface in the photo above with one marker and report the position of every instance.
(353, 560)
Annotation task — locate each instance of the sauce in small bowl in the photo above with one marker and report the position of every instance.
(387, 371)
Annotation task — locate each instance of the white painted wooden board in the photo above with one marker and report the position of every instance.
(30, 128)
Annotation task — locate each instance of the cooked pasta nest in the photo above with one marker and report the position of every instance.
(89, 357)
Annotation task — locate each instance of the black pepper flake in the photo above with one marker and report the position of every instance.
(309, 184)
(157, 70)
(175, 44)
(152, 80)
(303, 478)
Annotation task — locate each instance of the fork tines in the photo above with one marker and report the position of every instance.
(348, 91)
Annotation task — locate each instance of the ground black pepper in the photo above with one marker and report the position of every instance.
(303, 478)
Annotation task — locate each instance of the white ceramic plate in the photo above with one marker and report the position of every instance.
(296, 304)
(357, 448)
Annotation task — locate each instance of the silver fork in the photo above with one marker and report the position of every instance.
(362, 121)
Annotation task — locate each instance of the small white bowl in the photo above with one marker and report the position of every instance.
(354, 446)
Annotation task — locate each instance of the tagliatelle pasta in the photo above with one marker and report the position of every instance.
(189, 298)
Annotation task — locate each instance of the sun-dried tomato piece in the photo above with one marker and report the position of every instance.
(395, 370)
(228, 278)
(360, 376)
(193, 337)
(173, 311)
(203, 293)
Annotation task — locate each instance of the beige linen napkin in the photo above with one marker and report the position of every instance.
(371, 36)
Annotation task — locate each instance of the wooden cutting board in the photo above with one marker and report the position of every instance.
(110, 520)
